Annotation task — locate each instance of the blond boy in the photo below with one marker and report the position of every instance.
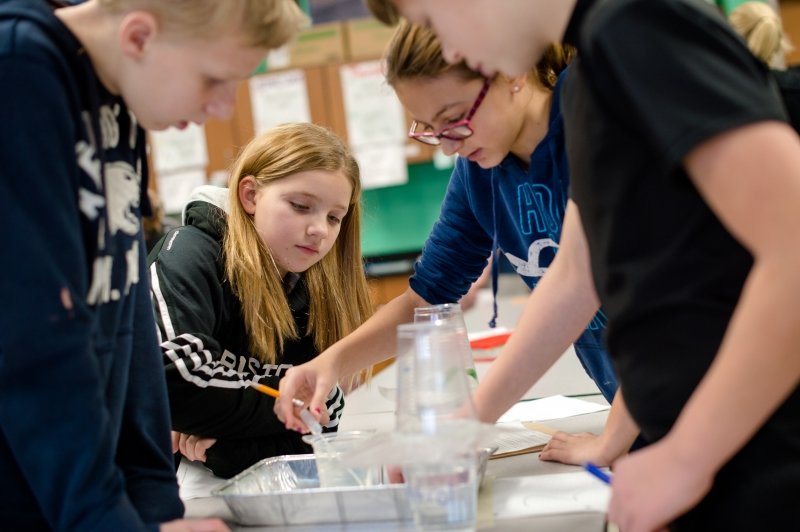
(84, 422)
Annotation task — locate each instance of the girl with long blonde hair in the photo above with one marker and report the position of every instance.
(263, 275)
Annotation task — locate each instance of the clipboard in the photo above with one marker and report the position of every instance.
(533, 426)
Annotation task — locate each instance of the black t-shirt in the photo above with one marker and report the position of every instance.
(654, 79)
(789, 84)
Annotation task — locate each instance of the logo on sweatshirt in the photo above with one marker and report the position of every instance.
(532, 267)
(111, 202)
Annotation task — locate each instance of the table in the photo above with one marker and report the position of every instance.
(369, 408)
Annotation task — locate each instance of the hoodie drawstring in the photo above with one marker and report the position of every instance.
(495, 257)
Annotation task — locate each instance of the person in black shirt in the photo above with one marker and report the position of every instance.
(686, 186)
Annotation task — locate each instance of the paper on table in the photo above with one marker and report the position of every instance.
(515, 438)
(548, 495)
(554, 407)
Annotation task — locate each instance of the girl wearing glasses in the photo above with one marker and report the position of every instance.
(507, 194)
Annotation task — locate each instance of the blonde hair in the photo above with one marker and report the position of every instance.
(338, 294)
(384, 10)
(262, 23)
(760, 26)
(415, 52)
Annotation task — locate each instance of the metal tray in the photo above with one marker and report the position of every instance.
(284, 490)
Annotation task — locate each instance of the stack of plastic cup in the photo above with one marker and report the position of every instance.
(452, 314)
(435, 416)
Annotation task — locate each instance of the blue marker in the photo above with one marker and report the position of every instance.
(597, 472)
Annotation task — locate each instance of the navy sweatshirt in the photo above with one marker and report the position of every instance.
(84, 421)
(518, 211)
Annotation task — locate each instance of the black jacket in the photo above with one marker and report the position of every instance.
(205, 345)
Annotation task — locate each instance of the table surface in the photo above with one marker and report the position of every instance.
(370, 407)
(366, 409)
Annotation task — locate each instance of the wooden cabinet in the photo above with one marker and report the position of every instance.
(384, 289)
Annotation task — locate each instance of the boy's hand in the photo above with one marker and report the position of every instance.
(194, 525)
(577, 449)
(652, 487)
(311, 383)
(192, 447)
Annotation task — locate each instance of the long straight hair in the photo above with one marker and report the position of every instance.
(337, 287)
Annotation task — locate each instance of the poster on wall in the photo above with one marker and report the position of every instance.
(176, 149)
(279, 98)
(175, 188)
(376, 126)
(180, 159)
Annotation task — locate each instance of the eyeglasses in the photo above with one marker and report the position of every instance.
(457, 131)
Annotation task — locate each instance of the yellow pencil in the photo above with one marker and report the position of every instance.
(312, 424)
(263, 388)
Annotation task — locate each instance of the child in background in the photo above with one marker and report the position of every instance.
(263, 276)
(761, 28)
(686, 181)
(84, 420)
(507, 194)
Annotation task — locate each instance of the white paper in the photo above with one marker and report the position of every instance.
(195, 480)
(175, 149)
(516, 437)
(381, 165)
(549, 494)
(374, 114)
(174, 188)
(279, 57)
(279, 98)
(554, 407)
(376, 126)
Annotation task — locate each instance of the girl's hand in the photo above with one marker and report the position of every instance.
(193, 447)
(310, 383)
(176, 441)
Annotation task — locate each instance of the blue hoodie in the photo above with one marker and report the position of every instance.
(84, 421)
(514, 210)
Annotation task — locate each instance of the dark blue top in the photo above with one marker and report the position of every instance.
(84, 427)
(522, 211)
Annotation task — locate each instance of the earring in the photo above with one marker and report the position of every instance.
(515, 88)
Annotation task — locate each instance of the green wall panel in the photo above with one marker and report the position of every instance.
(398, 219)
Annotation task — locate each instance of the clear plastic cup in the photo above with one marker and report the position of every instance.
(444, 495)
(435, 415)
(432, 387)
(330, 448)
(451, 313)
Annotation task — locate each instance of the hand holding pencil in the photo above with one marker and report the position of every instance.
(313, 425)
(312, 382)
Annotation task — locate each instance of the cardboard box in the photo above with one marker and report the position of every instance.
(318, 45)
(366, 39)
